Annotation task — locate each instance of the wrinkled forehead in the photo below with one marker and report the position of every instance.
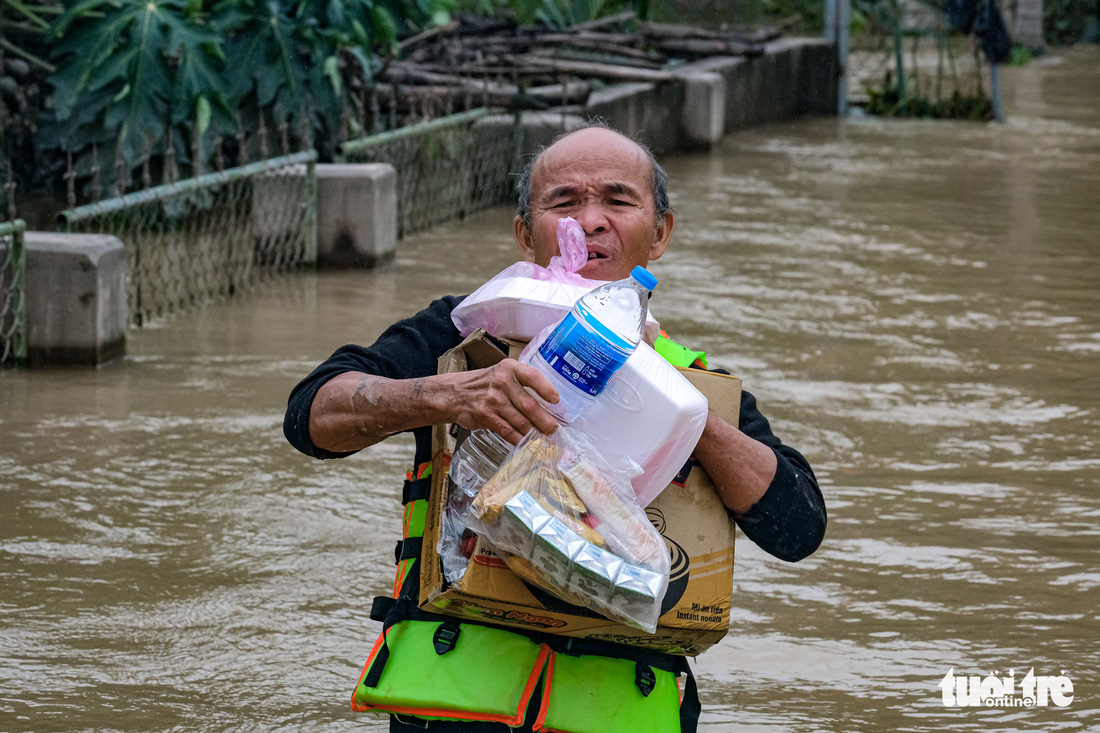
(595, 158)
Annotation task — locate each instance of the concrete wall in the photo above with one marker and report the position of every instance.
(356, 213)
(794, 77)
(708, 100)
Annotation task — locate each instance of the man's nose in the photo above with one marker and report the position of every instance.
(591, 218)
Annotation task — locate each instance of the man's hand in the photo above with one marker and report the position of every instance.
(354, 410)
(496, 398)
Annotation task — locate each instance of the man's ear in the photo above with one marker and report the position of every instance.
(523, 238)
(662, 236)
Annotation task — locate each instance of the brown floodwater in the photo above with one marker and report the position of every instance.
(915, 304)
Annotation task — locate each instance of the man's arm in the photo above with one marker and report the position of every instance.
(742, 469)
(361, 395)
(354, 410)
(768, 487)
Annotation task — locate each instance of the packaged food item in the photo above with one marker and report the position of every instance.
(567, 521)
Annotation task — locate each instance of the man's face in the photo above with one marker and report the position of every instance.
(602, 180)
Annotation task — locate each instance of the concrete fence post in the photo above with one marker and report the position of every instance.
(704, 111)
(76, 298)
(356, 218)
(838, 19)
(356, 214)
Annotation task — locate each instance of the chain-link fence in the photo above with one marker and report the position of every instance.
(905, 59)
(13, 298)
(446, 167)
(208, 237)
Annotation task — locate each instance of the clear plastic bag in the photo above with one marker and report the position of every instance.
(525, 298)
(566, 520)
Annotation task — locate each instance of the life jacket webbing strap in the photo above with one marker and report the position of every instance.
(374, 674)
(389, 611)
(398, 609)
(598, 648)
(415, 490)
(380, 607)
(408, 549)
(690, 707)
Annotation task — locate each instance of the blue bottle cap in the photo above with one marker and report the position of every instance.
(644, 277)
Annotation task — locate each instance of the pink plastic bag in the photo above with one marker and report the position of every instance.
(572, 249)
(525, 298)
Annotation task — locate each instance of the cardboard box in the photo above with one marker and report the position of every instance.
(688, 514)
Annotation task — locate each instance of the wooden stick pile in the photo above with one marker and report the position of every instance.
(477, 62)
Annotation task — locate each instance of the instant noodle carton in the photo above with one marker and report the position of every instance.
(688, 514)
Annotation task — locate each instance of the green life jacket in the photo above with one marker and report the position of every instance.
(436, 667)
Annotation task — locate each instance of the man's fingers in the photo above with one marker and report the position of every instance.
(514, 426)
(507, 405)
(528, 376)
(531, 378)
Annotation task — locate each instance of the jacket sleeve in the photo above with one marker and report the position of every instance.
(789, 520)
(406, 350)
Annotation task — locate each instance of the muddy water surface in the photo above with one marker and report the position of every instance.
(916, 306)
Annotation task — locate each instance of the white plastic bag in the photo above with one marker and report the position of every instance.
(524, 298)
(566, 520)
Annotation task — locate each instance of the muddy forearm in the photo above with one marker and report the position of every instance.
(353, 410)
(742, 468)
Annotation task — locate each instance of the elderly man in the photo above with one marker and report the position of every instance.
(617, 192)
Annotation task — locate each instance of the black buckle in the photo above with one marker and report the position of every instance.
(445, 637)
(644, 678)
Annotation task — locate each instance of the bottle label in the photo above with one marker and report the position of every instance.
(582, 357)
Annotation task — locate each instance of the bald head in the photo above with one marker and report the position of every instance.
(599, 139)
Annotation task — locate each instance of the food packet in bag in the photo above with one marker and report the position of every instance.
(567, 521)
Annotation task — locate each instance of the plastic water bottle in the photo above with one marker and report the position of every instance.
(583, 353)
(579, 357)
(477, 460)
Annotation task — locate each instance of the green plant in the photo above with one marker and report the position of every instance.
(132, 70)
(888, 102)
(144, 78)
(1065, 21)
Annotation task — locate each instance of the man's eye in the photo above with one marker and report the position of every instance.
(620, 202)
(560, 204)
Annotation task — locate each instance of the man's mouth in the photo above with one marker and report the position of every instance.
(596, 256)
